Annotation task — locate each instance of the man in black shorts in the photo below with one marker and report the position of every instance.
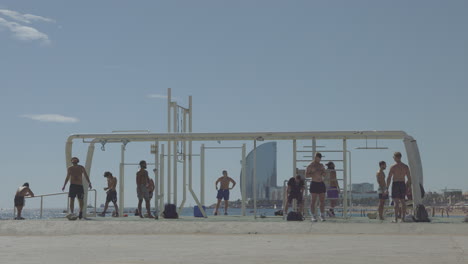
(295, 191)
(111, 193)
(316, 171)
(75, 174)
(398, 172)
(19, 199)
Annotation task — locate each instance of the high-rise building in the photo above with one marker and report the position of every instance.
(265, 171)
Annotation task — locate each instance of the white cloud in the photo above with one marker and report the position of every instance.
(24, 18)
(52, 118)
(23, 32)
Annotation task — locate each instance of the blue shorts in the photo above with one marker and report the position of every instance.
(223, 194)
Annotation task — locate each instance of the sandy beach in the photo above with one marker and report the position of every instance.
(227, 241)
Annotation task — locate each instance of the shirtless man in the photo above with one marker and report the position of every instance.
(111, 193)
(383, 194)
(19, 199)
(333, 190)
(142, 181)
(316, 171)
(75, 175)
(223, 191)
(398, 171)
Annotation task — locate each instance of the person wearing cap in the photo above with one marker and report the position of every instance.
(142, 181)
(111, 193)
(333, 190)
(398, 172)
(316, 171)
(19, 199)
(75, 175)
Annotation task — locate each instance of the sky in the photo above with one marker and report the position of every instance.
(251, 66)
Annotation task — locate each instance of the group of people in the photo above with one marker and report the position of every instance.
(319, 176)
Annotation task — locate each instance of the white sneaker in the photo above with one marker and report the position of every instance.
(313, 218)
(322, 218)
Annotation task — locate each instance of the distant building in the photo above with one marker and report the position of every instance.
(362, 187)
(265, 171)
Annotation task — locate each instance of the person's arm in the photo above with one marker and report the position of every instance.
(233, 183)
(408, 175)
(389, 178)
(308, 172)
(30, 192)
(147, 179)
(86, 177)
(114, 184)
(66, 179)
(216, 183)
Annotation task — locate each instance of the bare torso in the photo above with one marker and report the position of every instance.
(333, 180)
(381, 180)
(225, 180)
(111, 183)
(76, 174)
(23, 191)
(142, 177)
(316, 171)
(399, 171)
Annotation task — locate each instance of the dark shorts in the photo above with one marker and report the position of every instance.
(76, 190)
(398, 190)
(296, 196)
(111, 196)
(223, 194)
(332, 193)
(383, 196)
(19, 200)
(317, 187)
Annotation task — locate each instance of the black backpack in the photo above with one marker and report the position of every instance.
(421, 214)
(170, 211)
(295, 216)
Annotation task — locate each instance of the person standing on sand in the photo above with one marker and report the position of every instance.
(223, 191)
(383, 194)
(75, 175)
(398, 172)
(19, 199)
(142, 181)
(333, 191)
(111, 193)
(316, 171)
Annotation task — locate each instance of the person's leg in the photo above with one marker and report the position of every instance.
(403, 209)
(312, 203)
(396, 207)
(116, 208)
(148, 208)
(80, 203)
(19, 209)
(72, 205)
(226, 204)
(381, 207)
(140, 201)
(217, 207)
(105, 207)
(322, 204)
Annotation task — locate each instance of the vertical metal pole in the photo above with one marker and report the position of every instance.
(89, 161)
(122, 180)
(243, 179)
(156, 176)
(314, 147)
(350, 184)
(175, 157)
(161, 178)
(345, 179)
(169, 105)
(202, 174)
(184, 165)
(294, 158)
(41, 205)
(255, 178)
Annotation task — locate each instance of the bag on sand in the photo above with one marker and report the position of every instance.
(421, 214)
(170, 211)
(295, 216)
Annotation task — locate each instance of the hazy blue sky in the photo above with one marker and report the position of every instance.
(250, 66)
